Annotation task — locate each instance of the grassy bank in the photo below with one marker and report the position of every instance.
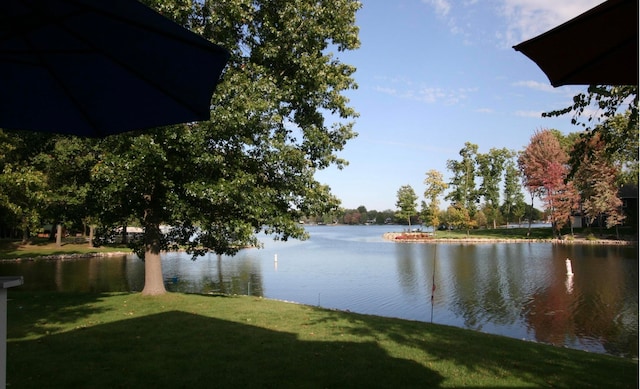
(12, 249)
(177, 340)
(628, 234)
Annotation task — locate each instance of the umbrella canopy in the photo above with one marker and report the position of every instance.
(599, 46)
(95, 68)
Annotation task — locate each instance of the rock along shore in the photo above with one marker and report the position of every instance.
(421, 237)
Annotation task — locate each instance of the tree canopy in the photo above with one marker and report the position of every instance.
(251, 167)
(435, 186)
(464, 193)
(406, 203)
(611, 112)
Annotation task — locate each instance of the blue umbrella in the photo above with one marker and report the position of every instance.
(95, 68)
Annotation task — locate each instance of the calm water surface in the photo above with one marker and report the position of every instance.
(520, 290)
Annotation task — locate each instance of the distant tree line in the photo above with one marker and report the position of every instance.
(573, 176)
(356, 216)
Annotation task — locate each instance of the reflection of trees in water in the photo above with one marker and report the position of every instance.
(488, 285)
(232, 275)
(95, 274)
(600, 302)
(405, 264)
(601, 305)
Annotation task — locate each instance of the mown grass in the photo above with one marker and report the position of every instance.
(128, 340)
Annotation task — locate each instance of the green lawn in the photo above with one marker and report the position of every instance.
(177, 340)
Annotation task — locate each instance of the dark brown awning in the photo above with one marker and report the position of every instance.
(599, 46)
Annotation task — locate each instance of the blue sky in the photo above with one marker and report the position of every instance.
(434, 74)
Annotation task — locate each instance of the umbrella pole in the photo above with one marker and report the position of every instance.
(5, 283)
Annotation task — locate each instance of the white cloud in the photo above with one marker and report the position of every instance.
(386, 91)
(427, 94)
(442, 7)
(528, 18)
(535, 85)
(407, 89)
(519, 20)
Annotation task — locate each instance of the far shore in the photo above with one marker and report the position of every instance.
(422, 237)
(67, 256)
(626, 236)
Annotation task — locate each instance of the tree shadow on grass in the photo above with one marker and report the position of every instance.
(44, 313)
(493, 355)
(178, 349)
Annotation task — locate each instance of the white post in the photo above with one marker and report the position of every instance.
(568, 265)
(5, 283)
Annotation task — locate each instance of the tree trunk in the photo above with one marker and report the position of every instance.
(59, 235)
(25, 231)
(153, 279)
(221, 276)
(571, 225)
(92, 229)
(124, 236)
(530, 215)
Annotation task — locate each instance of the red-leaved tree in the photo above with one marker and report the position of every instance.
(544, 168)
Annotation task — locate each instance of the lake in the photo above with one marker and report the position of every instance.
(520, 290)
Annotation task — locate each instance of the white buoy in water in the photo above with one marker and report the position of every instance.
(569, 269)
(275, 258)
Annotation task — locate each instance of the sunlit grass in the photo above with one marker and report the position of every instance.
(178, 340)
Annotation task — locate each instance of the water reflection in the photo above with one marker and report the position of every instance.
(97, 274)
(517, 290)
(211, 274)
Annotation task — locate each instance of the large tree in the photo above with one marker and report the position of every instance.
(491, 169)
(406, 203)
(67, 163)
(594, 110)
(464, 193)
(278, 115)
(513, 205)
(543, 164)
(597, 179)
(435, 186)
(23, 187)
(23, 193)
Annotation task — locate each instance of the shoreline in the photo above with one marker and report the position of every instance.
(394, 237)
(63, 257)
(406, 237)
